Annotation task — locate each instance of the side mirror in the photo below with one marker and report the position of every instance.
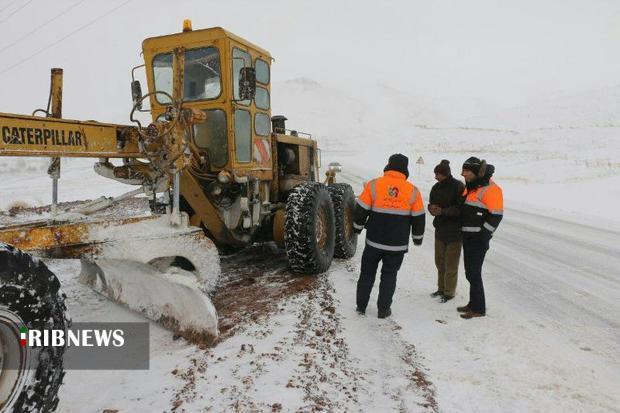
(247, 83)
(136, 94)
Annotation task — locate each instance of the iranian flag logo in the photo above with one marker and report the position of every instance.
(23, 334)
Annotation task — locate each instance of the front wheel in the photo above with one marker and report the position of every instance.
(309, 228)
(30, 298)
(344, 207)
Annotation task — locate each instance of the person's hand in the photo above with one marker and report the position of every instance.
(486, 235)
(434, 210)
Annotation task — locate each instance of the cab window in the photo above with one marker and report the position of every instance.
(262, 98)
(162, 74)
(243, 135)
(262, 125)
(202, 74)
(262, 72)
(211, 136)
(240, 59)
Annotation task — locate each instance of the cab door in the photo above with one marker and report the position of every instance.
(251, 118)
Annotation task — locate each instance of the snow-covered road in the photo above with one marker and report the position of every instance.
(550, 341)
(564, 274)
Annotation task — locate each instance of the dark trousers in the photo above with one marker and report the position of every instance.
(474, 250)
(370, 261)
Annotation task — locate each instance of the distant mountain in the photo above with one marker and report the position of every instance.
(374, 112)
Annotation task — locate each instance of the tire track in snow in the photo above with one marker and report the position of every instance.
(395, 379)
(298, 358)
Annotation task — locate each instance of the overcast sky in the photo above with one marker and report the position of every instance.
(497, 51)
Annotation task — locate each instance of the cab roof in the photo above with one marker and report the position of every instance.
(198, 36)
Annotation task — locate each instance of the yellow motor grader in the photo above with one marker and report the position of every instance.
(220, 173)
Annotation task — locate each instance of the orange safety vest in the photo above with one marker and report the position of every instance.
(390, 207)
(483, 209)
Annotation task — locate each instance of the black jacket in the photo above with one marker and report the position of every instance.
(448, 195)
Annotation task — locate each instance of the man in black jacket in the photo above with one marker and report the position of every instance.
(444, 206)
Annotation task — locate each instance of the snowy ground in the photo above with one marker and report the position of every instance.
(549, 342)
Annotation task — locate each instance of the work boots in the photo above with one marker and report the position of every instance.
(436, 293)
(464, 309)
(384, 313)
(468, 312)
(472, 314)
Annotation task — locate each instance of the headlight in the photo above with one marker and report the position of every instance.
(215, 189)
(334, 167)
(223, 177)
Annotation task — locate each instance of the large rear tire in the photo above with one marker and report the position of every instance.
(309, 228)
(30, 297)
(343, 199)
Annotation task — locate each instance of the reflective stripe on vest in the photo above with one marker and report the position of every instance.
(362, 204)
(387, 247)
(373, 190)
(413, 196)
(391, 211)
(471, 229)
(478, 204)
(483, 191)
(489, 226)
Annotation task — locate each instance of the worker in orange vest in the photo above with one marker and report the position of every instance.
(391, 209)
(481, 213)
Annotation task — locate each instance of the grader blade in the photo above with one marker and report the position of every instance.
(144, 263)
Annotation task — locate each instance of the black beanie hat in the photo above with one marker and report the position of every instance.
(443, 168)
(472, 164)
(398, 162)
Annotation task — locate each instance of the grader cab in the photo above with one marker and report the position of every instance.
(220, 173)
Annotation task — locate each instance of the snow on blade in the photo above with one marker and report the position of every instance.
(161, 271)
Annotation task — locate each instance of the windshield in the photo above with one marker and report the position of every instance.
(201, 77)
(202, 74)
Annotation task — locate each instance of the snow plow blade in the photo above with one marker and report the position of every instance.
(165, 272)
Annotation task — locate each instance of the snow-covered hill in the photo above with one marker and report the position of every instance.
(598, 108)
(538, 165)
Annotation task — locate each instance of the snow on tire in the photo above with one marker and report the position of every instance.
(309, 228)
(343, 199)
(30, 295)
